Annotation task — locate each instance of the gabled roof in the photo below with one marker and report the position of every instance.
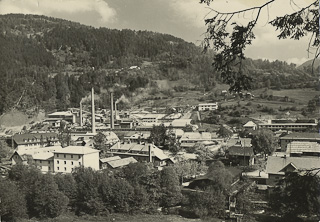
(139, 148)
(121, 162)
(275, 164)
(43, 156)
(76, 150)
(20, 138)
(250, 124)
(290, 165)
(108, 159)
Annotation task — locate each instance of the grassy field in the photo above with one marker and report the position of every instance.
(121, 218)
(301, 96)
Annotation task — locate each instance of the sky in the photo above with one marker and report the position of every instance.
(181, 18)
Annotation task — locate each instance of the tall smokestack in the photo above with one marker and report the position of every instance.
(93, 120)
(81, 123)
(115, 110)
(111, 115)
(150, 152)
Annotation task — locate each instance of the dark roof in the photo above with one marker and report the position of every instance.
(240, 151)
(20, 138)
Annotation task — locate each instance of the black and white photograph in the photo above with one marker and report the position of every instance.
(159, 110)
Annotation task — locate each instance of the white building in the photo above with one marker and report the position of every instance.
(250, 125)
(66, 159)
(207, 106)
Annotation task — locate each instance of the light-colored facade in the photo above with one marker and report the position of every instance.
(207, 106)
(67, 116)
(276, 125)
(66, 159)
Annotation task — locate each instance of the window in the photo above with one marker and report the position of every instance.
(79, 156)
(57, 161)
(57, 168)
(71, 156)
(40, 161)
(65, 169)
(64, 155)
(65, 162)
(57, 155)
(71, 162)
(80, 163)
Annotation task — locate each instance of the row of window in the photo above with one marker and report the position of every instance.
(38, 140)
(65, 162)
(65, 168)
(71, 156)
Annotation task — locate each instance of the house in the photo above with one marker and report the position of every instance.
(134, 137)
(207, 106)
(240, 155)
(66, 159)
(44, 161)
(302, 137)
(250, 125)
(298, 148)
(148, 119)
(20, 158)
(55, 118)
(293, 125)
(118, 162)
(277, 166)
(29, 141)
(141, 152)
(103, 161)
(41, 157)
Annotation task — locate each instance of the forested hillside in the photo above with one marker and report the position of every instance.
(52, 63)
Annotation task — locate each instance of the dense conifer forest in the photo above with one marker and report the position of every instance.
(53, 63)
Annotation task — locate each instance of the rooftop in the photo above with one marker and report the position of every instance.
(302, 136)
(20, 138)
(142, 148)
(112, 158)
(43, 156)
(196, 136)
(122, 162)
(77, 150)
(275, 164)
(67, 113)
(301, 147)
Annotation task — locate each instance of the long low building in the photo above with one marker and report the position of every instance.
(297, 125)
(301, 137)
(189, 139)
(30, 141)
(141, 152)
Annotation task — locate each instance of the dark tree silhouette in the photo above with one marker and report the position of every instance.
(230, 46)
